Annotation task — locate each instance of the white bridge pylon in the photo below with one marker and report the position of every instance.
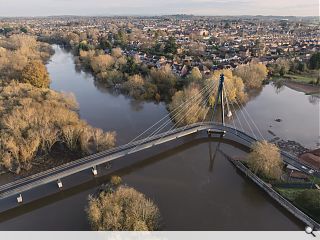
(201, 100)
(220, 96)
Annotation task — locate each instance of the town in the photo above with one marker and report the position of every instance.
(183, 41)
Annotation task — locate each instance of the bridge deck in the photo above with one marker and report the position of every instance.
(17, 187)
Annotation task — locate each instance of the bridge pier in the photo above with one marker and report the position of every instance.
(59, 183)
(94, 171)
(19, 199)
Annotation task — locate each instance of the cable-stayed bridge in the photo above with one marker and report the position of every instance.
(159, 133)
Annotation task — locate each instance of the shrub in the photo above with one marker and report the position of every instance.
(35, 73)
(122, 209)
(116, 52)
(116, 180)
(310, 201)
(265, 159)
(134, 86)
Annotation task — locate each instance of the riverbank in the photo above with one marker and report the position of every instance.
(309, 77)
(298, 84)
(279, 198)
(169, 177)
(309, 89)
(58, 156)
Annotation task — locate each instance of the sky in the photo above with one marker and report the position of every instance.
(158, 7)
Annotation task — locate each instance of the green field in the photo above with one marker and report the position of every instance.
(308, 207)
(310, 77)
(289, 193)
(315, 180)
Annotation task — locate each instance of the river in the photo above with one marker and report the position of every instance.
(193, 189)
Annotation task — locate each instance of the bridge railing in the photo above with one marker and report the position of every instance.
(98, 155)
(276, 196)
(92, 158)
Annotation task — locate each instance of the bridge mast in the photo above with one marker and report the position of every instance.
(220, 96)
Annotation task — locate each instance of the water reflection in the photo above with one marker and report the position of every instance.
(100, 106)
(104, 89)
(193, 184)
(278, 86)
(291, 107)
(136, 105)
(253, 94)
(110, 110)
(212, 154)
(313, 99)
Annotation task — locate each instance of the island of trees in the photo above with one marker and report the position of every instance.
(34, 118)
(121, 208)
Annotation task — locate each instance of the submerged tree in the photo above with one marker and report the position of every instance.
(196, 108)
(122, 208)
(102, 63)
(265, 159)
(134, 86)
(164, 78)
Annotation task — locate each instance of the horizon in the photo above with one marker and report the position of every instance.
(43, 8)
(155, 15)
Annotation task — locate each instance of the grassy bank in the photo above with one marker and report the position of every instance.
(309, 77)
(308, 200)
(298, 83)
(289, 193)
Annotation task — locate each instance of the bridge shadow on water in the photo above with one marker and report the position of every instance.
(170, 172)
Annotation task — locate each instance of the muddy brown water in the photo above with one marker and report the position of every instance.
(195, 187)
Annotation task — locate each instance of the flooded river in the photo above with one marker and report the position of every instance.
(195, 187)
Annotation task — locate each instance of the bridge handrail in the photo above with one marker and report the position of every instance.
(282, 200)
(271, 191)
(252, 139)
(15, 189)
(96, 155)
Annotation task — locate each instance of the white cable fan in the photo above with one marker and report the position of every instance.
(229, 115)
